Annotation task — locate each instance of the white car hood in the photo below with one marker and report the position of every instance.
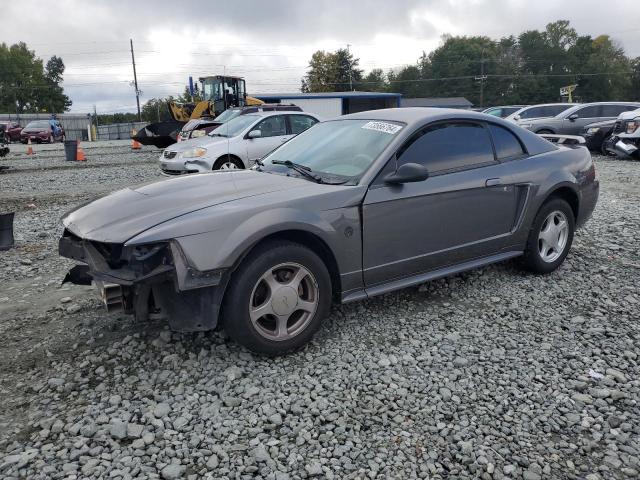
(629, 115)
(204, 142)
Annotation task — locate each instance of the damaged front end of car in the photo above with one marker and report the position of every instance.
(142, 280)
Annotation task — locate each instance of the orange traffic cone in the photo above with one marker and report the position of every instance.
(29, 148)
(80, 154)
(136, 145)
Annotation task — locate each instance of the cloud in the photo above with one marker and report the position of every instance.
(269, 43)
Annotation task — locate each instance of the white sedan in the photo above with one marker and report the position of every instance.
(237, 143)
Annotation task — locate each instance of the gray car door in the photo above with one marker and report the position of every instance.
(466, 208)
(273, 133)
(583, 116)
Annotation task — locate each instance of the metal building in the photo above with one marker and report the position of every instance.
(333, 104)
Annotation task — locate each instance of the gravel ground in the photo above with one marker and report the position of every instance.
(491, 374)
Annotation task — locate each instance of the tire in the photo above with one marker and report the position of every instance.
(228, 163)
(278, 325)
(545, 251)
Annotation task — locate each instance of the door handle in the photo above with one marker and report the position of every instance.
(492, 182)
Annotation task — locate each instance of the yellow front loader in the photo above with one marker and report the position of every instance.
(218, 93)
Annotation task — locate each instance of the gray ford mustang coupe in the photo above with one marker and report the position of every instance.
(353, 207)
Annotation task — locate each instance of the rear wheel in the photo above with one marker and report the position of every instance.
(277, 298)
(550, 237)
(228, 163)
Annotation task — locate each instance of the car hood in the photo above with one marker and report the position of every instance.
(119, 216)
(536, 119)
(629, 115)
(204, 142)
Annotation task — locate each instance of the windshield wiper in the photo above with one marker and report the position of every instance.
(301, 169)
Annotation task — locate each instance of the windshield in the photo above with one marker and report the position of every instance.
(39, 124)
(228, 115)
(234, 127)
(344, 148)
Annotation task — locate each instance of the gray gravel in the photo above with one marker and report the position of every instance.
(491, 374)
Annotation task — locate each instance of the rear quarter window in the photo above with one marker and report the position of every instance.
(506, 143)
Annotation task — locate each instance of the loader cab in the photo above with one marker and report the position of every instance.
(224, 92)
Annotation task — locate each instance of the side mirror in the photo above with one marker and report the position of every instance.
(254, 134)
(573, 117)
(516, 117)
(407, 173)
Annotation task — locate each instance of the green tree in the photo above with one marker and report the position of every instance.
(332, 72)
(26, 85)
(374, 81)
(634, 84)
(525, 69)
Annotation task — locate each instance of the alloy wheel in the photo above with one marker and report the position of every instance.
(228, 166)
(553, 236)
(283, 301)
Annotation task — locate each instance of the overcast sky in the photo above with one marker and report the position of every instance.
(268, 42)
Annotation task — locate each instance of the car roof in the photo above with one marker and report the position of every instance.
(416, 115)
(281, 112)
(503, 106)
(569, 105)
(574, 108)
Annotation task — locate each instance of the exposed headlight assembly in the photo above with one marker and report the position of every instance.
(526, 125)
(593, 130)
(633, 125)
(195, 153)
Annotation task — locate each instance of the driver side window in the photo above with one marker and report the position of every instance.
(448, 147)
(272, 126)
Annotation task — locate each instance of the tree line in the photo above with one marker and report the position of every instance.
(27, 85)
(527, 69)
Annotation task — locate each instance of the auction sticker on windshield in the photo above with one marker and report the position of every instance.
(385, 127)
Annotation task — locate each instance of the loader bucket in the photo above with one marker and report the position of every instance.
(160, 134)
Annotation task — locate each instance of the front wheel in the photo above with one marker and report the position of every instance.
(550, 237)
(277, 298)
(228, 163)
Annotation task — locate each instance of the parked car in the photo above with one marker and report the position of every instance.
(624, 140)
(503, 111)
(351, 208)
(574, 119)
(201, 126)
(543, 110)
(238, 143)
(10, 131)
(596, 133)
(42, 131)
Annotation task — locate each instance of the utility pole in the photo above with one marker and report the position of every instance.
(135, 80)
(350, 76)
(482, 79)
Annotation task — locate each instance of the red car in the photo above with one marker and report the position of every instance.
(41, 131)
(11, 131)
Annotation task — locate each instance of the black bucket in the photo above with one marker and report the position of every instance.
(71, 150)
(6, 231)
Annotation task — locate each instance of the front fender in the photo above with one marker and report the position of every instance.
(223, 248)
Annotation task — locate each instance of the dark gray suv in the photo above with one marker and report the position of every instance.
(574, 119)
(351, 208)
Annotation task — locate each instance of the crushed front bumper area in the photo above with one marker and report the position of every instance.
(148, 279)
